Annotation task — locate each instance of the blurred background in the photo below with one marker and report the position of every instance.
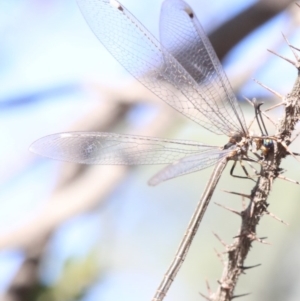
(73, 232)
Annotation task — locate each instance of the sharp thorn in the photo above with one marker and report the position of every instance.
(249, 267)
(273, 107)
(262, 240)
(208, 287)
(220, 240)
(269, 118)
(252, 207)
(241, 295)
(237, 193)
(253, 169)
(287, 149)
(243, 203)
(253, 237)
(239, 236)
(229, 209)
(250, 102)
(275, 217)
(284, 58)
(288, 43)
(298, 49)
(250, 236)
(269, 89)
(271, 181)
(205, 297)
(288, 180)
(220, 257)
(285, 38)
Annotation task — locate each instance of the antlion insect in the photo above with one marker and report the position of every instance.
(191, 81)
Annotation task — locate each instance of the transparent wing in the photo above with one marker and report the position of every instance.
(143, 56)
(189, 164)
(107, 148)
(183, 36)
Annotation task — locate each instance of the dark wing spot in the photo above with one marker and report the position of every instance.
(189, 12)
(116, 4)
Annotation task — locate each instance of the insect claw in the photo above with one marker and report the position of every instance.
(268, 117)
(284, 58)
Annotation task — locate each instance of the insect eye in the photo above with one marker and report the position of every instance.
(268, 143)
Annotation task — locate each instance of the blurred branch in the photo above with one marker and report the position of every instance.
(83, 192)
(234, 30)
(27, 276)
(81, 189)
(38, 95)
(257, 62)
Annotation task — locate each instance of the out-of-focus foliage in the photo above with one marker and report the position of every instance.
(75, 279)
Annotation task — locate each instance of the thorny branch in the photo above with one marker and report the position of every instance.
(270, 170)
